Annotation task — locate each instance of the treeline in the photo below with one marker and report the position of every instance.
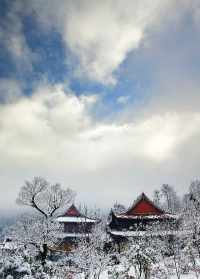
(33, 253)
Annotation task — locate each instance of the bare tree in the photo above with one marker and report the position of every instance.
(171, 201)
(191, 218)
(47, 200)
(157, 195)
(194, 195)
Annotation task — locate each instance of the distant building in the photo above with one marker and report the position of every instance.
(75, 225)
(141, 217)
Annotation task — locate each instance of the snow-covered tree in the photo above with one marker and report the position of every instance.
(47, 200)
(17, 267)
(91, 256)
(167, 198)
(191, 215)
(138, 259)
(194, 195)
(32, 231)
(191, 256)
(118, 208)
(191, 226)
(24, 254)
(157, 196)
(171, 200)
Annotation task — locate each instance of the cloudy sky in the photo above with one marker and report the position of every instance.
(101, 96)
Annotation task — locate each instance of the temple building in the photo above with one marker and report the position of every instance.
(141, 218)
(75, 225)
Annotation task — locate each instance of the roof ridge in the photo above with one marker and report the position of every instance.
(72, 211)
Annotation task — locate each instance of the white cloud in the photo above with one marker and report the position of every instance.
(156, 138)
(34, 125)
(53, 133)
(101, 33)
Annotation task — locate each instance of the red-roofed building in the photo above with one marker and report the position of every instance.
(75, 224)
(143, 206)
(139, 218)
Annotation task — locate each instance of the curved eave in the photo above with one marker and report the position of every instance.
(155, 217)
(146, 233)
(73, 235)
(67, 219)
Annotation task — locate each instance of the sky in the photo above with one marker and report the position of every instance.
(100, 96)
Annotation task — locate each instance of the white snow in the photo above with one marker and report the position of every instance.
(162, 216)
(142, 233)
(63, 235)
(66, 219)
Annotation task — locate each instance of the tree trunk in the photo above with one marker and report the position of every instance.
(44, 253)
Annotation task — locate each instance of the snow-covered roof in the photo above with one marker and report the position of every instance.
(63, 235)
(163, 216)
(68, 219)
(145, 233)
(73, 215)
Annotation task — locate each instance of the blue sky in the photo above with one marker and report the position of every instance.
(51, 61)
(99, 95)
